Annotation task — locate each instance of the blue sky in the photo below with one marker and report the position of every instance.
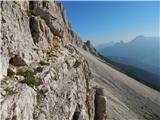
(106, 21)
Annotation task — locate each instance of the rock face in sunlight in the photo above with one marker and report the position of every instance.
(43, 76)
(90, 48)
(100, 105)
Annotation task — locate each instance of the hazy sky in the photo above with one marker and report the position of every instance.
(102, 22)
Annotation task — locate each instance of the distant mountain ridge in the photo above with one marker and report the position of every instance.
(135, 63)
(144, 50)
(101, 46)
(148, 78)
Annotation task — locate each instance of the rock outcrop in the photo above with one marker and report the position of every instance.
(43, 76)
(90, 48)
(31, 29)
(100, 105)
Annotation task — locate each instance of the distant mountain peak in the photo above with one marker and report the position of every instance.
(139, 37)
(121, 42)
(143, 49)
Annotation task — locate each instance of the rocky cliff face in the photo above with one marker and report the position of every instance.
(32, 29)
(90, 48)
(43, 76)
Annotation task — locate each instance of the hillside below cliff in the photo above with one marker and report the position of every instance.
(127, 98)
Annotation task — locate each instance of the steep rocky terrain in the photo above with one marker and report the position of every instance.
(127, 99)
(43, 76)
(90, 48)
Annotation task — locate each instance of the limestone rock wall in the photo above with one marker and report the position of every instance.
(43, 76)
(29, 30)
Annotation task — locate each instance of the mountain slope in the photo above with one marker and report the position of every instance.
(143, 49)
(102, 46)
(135, 63)
(42, 75)
(127, 98)
(148, 78)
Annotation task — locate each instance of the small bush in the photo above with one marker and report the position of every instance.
(77, 64)
(43, 63)
(31, 13)
(31, 81)
(29, 78)
(20, 72)
(10, 72)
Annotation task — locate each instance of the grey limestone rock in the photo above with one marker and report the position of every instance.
(43, 76)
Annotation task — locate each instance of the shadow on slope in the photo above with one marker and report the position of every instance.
(150, 79)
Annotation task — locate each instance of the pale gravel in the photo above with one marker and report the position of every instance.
(127, 98)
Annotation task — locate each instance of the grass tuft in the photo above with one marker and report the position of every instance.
(10, 73)
(29, 78)
(31, 13)
(77, 64)
(10, 91)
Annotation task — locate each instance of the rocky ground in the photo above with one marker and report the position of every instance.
(42, 75)
(127, 99)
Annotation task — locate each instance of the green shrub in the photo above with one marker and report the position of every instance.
(43, 63)
(10, 91)
(77, 64)
(31, 13)
(21, 72)
(29, 78)
(10, 72)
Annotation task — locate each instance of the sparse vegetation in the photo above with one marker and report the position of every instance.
(29, 78)
(141, 75)
(34, 116)
(40, 96)
(35, 40)
(43, 63)
(77, 64)
(20, 72)
(10, 72)
(45, 18)
(31, 13)
(10, 91)
(38, 69)
(66, 46)
(50, 54)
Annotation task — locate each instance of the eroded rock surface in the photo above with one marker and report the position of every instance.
(43, 76)
(90, 48)
(100, 105)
